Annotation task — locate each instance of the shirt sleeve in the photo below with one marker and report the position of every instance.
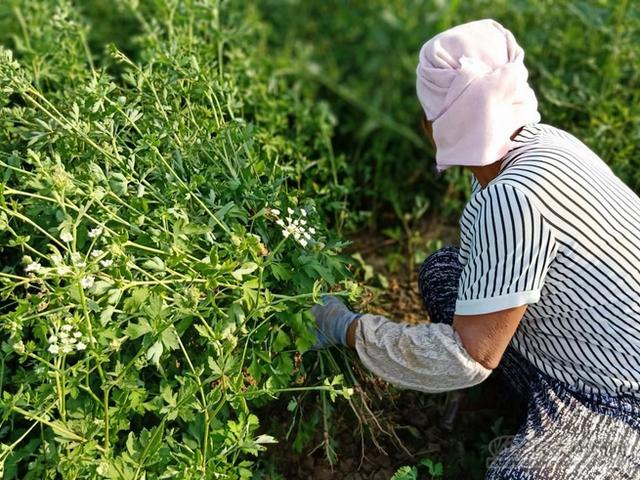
(506, 251)
(428, 357)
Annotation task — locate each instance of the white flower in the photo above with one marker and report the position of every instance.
(97, 253)
(63, 270)
(106, 263)
(34, 267)
(140, 193)
(68, 340)
(56, 259)
(95, 232)
(297, 227)
(275, 211)
(76, 258)
(87, 282)
(18, 347)
(66, 236)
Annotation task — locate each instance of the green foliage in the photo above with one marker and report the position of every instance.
(152, 289)
(582, 56)
(432, 470)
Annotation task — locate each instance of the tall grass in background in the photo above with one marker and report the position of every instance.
(583, 59)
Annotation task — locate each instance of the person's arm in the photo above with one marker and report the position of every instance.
(427, 357)
(485, 337)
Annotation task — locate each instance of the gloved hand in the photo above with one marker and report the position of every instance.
(332, 321)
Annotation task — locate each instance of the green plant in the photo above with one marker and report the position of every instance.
(432, 469)
(162, 231)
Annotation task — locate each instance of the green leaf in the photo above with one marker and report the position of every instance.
(155, 352)
(281, 341)
(435, 468)
(106, 314)
(170, 338)
(136, 300)
(118, 183)
(135, 330)
(405, 473)
(245, 269)
(155, 264)
(281, 272)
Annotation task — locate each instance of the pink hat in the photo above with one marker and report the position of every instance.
(472, 84)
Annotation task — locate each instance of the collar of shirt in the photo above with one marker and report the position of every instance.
(526, 136)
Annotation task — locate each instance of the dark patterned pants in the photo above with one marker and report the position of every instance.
(567, 435)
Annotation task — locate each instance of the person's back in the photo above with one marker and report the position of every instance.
(585, 328)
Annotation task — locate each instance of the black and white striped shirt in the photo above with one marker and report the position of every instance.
(557, 230)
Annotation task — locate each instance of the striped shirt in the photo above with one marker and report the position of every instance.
(557, 230)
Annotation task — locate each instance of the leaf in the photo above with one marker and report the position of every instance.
(135, 330)
(101, 286)
(280, 272)
(245, 269)
(155, 264)
(405, 473)
(261, 439)
(170, 338)
(136, 300)
(107, 313)
(156, 308)
(118, 183)
(435, 468)
(281, 341)
(155, 352)
(305, 336)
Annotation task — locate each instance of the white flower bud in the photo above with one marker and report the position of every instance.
(66, 236)
(95, 232)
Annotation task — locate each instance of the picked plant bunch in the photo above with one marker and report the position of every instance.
(162, 237)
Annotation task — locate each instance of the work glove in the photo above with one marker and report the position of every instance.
(332, 321)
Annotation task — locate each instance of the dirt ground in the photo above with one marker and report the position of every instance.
(390, 428)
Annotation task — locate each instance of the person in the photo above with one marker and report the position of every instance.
(545, 284)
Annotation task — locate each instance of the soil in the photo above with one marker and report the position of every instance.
(386, 428)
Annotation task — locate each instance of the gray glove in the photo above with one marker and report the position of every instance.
(332, 321)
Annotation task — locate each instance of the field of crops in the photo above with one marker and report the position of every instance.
(183, 179)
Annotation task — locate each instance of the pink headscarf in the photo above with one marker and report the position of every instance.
(472, 84)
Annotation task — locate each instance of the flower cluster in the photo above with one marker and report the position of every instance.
(295, 227)
(77, 260)
(68, 340)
